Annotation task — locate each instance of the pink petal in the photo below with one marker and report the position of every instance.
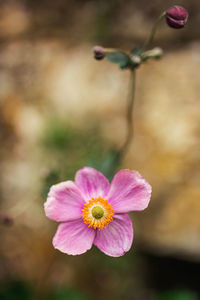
(73, 237)
(92, 183)
(64, 202)
(117, 237)
(129, 192)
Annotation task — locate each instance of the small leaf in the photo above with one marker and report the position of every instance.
(136, 51)
(120, 58)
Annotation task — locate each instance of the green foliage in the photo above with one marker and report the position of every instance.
(110, 163)
(65, 150)
(136, 51)
(68, 294)
(21, 291)
(120, 58)
(15, 291)
(57, 135)
(52, 177)
(178, 295)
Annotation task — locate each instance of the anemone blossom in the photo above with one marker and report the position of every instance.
(92, 211)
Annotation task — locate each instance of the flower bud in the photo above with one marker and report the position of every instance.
(176, 17)
(99, 52)
(153, 53)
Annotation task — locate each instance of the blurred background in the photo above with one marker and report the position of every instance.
(60, 110)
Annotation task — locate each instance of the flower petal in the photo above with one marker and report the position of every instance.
(65, 202)
(73, 237)
(117, 238)
(92, 183)
(129, 191)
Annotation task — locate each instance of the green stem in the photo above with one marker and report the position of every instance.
(116, 156)
(153, 31)
(129, 115)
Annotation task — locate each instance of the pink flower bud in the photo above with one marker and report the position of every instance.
(176, 17)
(99, 52)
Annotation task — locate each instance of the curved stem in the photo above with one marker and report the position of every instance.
(153, 31)
(129, 114)
(115, 157)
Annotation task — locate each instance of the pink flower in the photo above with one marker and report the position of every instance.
(92, 211)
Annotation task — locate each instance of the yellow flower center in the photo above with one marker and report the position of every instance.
(97, 213)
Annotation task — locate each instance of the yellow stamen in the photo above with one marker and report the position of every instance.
(97, 213)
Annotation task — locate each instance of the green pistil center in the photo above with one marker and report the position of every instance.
(97, 212)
